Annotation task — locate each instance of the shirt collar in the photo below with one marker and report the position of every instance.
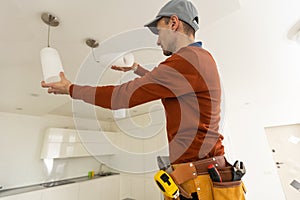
(196, 44)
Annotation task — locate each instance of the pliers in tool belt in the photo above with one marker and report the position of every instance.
(239, 170)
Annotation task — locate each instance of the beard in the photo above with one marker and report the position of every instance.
(167, 53)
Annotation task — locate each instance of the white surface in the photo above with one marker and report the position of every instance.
(99, 188)
(51, 64)
(287, 154)
(139, 187)
(21, 137)
(64, 192)
(70, 143)
(36, 195)
(118, 59)
(249, 144)
(298, 37)
(24, 34)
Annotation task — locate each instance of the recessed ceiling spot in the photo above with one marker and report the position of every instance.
(34, 95)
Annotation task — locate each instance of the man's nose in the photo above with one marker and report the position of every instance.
(158, 41)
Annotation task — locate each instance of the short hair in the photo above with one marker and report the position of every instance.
(186, 27)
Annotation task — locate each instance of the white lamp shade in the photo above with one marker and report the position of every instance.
(125, 60)
(51, 64)
(118, 59)
(120, 113)
(298, 37)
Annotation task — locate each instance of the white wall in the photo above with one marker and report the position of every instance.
(260, 70)
(258, 63)
(249, 144)
(21, 138)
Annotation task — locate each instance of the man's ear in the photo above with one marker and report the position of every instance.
(174, 22)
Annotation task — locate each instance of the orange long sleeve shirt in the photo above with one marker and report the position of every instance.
(188, 85)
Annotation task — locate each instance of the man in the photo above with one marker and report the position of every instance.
(188, 85)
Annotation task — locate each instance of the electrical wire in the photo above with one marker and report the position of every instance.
(95, 56)
(48, 44)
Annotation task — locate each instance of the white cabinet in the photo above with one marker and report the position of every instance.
(110, 188)
(103, 188)
(100, 189)
(64, 192)
(67, 143)
(89, 190)
(35, 195)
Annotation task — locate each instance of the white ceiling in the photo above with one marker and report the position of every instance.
(23, 35)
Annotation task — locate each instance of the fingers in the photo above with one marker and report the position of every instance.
(62, 75)
(54, 91)
(45, 85)
(118, 68)
(51, 90)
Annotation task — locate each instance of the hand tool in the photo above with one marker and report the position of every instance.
(214, 173)
(162, 178)
(239, 170)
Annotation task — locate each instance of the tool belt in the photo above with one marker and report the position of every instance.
(188, 175)
(212, 178)
(188, 171)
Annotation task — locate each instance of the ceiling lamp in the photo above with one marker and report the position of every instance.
(50, 59)
(93, 44)
(120, 113)
(294, 32)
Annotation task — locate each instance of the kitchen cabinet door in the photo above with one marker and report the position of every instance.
(90, 190)
(36, 195)
(110, 188)
(100, 189)
(64, 192)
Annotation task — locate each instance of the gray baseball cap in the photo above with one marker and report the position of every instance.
(183, 9)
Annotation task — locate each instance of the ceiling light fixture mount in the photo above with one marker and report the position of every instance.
(92, 43)
(50, 19)
(51, 63)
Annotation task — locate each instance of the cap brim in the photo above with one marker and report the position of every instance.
(152, 25)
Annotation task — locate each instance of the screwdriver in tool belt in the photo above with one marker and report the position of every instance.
(214, 173)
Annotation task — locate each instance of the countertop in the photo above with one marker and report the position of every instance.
(41, 186)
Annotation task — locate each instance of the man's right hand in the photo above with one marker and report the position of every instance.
(125, 69)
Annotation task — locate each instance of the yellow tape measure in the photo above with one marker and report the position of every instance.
(166, 184)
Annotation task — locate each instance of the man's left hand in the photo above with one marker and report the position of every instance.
(61, 87)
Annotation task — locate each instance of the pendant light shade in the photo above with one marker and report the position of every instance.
(294, 32)
(298, 37)
(51, 64)
(119, 114)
